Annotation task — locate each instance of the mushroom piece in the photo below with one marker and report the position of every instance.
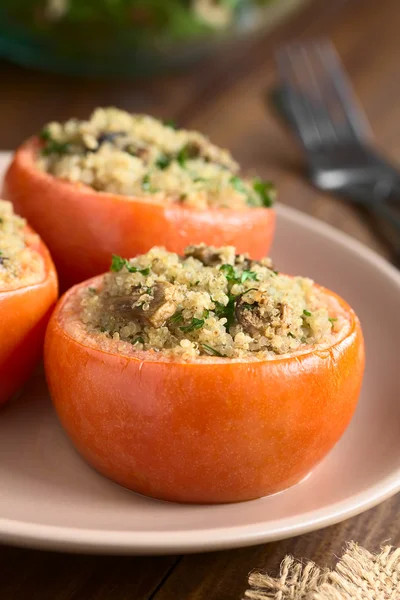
(109, 137)
(249, 316)
(257, 316)
(204, 254)
(161, 306)
(241, 260)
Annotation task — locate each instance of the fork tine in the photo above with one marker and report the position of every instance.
(342, 87)
(315, 90)
(315, 81)
(297, 102)
(304, 96)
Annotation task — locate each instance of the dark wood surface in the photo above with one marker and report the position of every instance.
(224, 97)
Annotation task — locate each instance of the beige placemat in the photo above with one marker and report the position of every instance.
(359, 575)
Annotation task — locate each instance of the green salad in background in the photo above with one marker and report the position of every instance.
(114, 37)
(173, 19)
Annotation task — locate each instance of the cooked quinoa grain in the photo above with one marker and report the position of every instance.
(19, 264)
(211, 302)
(140, 156)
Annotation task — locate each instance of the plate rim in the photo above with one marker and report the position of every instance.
(106, 541)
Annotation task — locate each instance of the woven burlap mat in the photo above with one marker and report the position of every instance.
(359, 575)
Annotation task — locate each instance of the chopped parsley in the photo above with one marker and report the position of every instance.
(211, 351)
(118, 263)
(194, 324)
(163, 161)
(239, 185)
(53, 147)
(232, 275)
(227, 311)
(266, 191)
(138, 340)
(307, 313)
(248, 275)
(332, 320)
(177, 317)
(183, 156)
(229, 272)
(45, 134)
(290, 334)
(146, 186)
(170, 123)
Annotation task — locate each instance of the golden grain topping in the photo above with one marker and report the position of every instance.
(140, 156)
(211, 301)
(19, 264)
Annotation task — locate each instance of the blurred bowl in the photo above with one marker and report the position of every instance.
(100, 42)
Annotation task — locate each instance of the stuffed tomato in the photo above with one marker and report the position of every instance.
(203, 378)
(28, 292)
(122, 183)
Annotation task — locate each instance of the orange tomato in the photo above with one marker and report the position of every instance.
(24, 314)
(211, 430)
(83, 227)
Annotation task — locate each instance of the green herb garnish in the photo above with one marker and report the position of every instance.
(163, 161)
(307, 313)
(183, 156)
(146, 186)
(211, 351)
(239, 185)
(170, 123)
(92, 290)
(290, 334)
(119, 263)
(248, 275)
(195, 323)
(227, 311)
(177, 317)
(138, 340)
(266, 191)
(53, 147)
(232, 275)
(229, 272)
(45, 134)
(332, 320)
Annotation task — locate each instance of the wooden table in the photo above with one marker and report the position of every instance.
(224, 98)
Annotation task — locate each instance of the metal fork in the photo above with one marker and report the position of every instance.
(317, 99)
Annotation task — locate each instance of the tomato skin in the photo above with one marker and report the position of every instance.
(24, 314)
(202, 432)
(83, 228)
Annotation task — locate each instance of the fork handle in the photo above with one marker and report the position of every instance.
(383, 204)
(382, 209)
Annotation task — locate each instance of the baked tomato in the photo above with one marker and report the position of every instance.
(209, 431)
(24, 314)
(83, 227)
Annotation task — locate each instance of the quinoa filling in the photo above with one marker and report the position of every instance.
(138, 155)
(211, 301)
(19, 264)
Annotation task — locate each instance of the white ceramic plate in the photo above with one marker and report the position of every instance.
(50, 498)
